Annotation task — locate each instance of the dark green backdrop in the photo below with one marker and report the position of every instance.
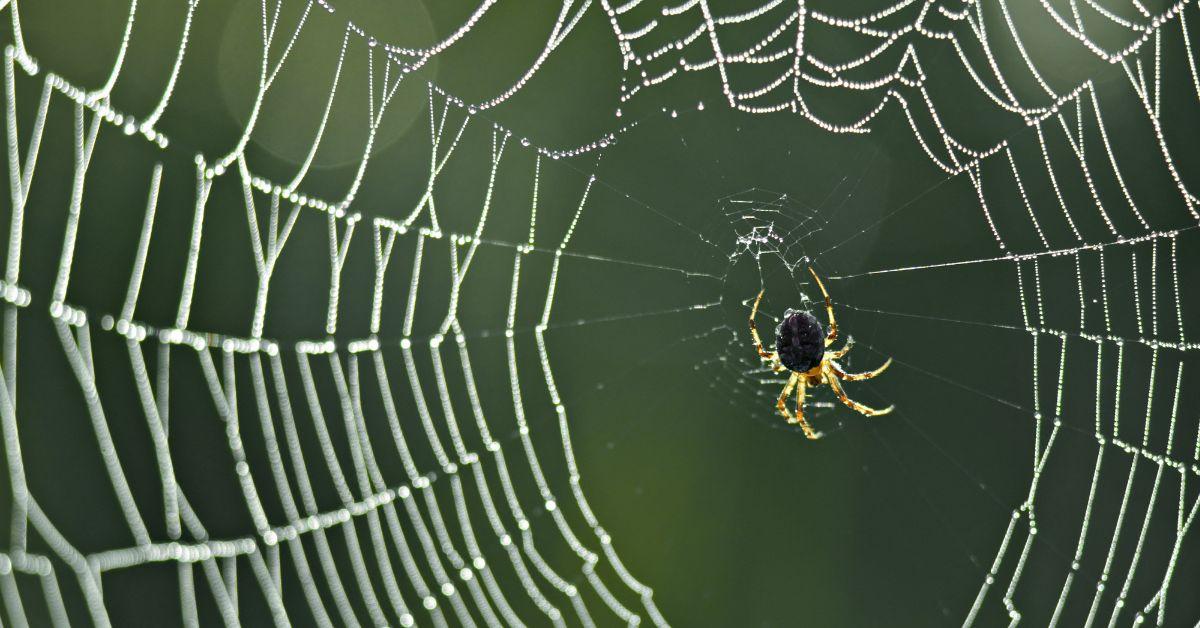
(732, 518)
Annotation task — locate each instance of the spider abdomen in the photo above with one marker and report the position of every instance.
(800, 341)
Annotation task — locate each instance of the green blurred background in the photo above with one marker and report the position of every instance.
(733, 518)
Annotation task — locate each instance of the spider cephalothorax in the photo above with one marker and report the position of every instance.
(801, 346)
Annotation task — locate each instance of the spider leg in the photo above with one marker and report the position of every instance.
(828, 309)
(852, 404)
(781, 405)
(801, 393)
(854, 377)
(796, 382)
(762, 353)
(833, 355)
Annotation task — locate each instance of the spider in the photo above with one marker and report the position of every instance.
(799, 349)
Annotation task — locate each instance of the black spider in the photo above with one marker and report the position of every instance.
(801, 345)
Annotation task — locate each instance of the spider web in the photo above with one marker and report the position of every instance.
(435, 500)
(1083, 183)
(372, 475)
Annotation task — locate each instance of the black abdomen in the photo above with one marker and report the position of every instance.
(800, 341)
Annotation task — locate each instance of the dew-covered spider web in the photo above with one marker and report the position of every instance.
(312, 316)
